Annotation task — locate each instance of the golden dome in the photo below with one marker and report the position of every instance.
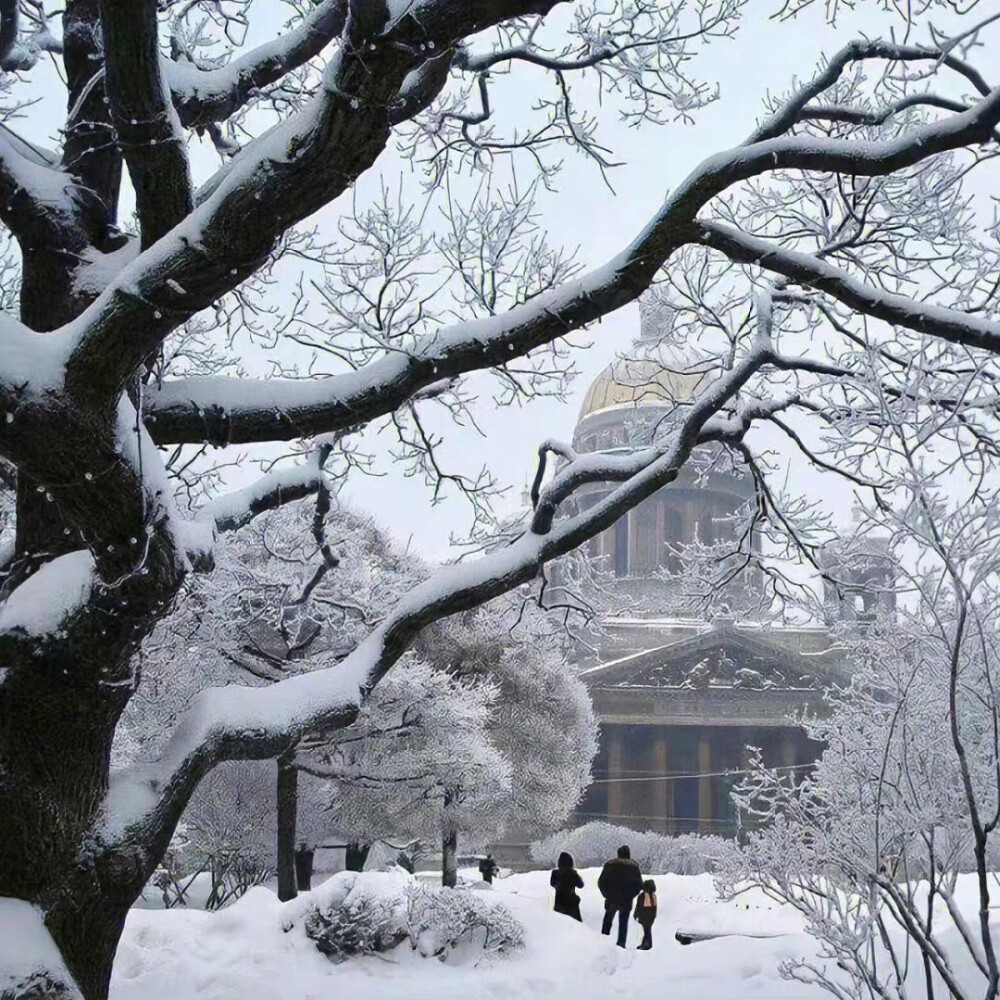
(642, 382)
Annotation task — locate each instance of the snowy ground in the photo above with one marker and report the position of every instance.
(242, 952)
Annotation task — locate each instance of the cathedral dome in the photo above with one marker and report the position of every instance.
(642, 382)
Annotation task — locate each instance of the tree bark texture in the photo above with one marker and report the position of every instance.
(449, 859)
(288, 804)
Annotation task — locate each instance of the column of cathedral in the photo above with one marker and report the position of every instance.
(662, 798)
(614, 772)
(704, 783)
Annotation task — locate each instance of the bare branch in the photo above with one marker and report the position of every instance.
(806, 269)
(856, 51)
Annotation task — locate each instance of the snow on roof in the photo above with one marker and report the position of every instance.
(601, 667)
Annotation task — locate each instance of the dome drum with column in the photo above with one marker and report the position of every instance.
(628, 406)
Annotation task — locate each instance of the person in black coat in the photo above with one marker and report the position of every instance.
(645, 913)
(565, 879)
(489, 869)
(620, 882)
(303, 867)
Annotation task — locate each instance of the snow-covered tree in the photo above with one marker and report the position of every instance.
(871, 844)
(481, 728)
(418, 764)
(101, 546)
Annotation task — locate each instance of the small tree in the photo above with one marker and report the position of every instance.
(418, 764)
(870, 845)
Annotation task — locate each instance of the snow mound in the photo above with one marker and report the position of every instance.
(244, 952)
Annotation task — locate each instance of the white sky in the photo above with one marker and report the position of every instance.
(764, 56)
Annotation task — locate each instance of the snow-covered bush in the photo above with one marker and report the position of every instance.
(39, 987)
(441, 922)
(359, 913)
(594, 843)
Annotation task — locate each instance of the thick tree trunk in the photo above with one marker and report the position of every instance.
(56, 725)
(288, 802)
(449, 859)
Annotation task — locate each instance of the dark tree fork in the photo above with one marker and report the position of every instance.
(79, 842)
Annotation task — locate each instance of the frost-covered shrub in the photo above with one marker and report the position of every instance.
(358, 913)
(354, 913)
(594, 843)
(359, 928)
(441, 922)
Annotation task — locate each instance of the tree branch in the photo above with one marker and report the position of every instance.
(204, 96)
(857, 51)
(814, 272)
(146, 128)
(278, 180)
(235, 510)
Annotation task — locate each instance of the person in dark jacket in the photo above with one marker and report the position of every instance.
(645, 913)
(565, 879)
(303, 867)
(620, 882)
(489, 869)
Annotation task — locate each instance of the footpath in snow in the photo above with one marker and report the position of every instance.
(241, 952)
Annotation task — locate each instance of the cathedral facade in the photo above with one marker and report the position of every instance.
(682, 682)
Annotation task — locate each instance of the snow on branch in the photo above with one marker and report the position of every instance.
(41, 604)
(35, 193)
(795, 108)
(234, 510)
(30, 363)
(254, 723)
(224, 410)
(204, 96)
(19, 53)
(815, 272)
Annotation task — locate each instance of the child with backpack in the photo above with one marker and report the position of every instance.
(645, 913)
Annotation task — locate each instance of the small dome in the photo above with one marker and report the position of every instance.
(642, 382)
